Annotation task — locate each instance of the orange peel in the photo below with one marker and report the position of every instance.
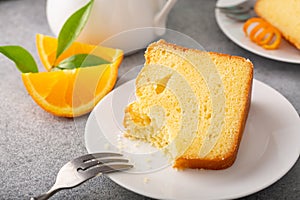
(254, 31)
(249, 22)
(265, 36)
(262, 33)
(276, 42)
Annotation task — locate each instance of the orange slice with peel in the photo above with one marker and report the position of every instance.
(47, 46)
(71, 92)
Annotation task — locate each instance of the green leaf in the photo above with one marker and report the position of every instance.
(21, 57)
(72, 28)
(81, 60)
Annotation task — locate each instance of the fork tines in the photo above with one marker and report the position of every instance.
(241, 8)
(105, 162)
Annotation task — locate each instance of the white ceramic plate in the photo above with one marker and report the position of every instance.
(234, 31)
(268, 150)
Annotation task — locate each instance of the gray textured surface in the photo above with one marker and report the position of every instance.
(35, 144)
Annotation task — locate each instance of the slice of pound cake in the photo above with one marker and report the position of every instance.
(284, 15)
(192, 104)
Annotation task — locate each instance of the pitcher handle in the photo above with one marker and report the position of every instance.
(161, 17)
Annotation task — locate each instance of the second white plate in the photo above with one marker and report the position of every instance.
(234, 31)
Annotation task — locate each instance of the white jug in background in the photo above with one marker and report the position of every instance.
(110, 18)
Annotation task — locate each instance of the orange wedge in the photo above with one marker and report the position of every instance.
(47, 46)
(71, 93)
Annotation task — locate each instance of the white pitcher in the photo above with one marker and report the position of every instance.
(110, 18)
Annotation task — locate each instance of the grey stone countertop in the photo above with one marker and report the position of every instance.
(35, 144)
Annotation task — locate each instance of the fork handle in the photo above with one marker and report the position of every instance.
(45, 196)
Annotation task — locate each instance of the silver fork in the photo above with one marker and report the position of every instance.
(240, 12)
(84, 168)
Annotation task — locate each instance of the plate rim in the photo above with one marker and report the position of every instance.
(236, 195)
